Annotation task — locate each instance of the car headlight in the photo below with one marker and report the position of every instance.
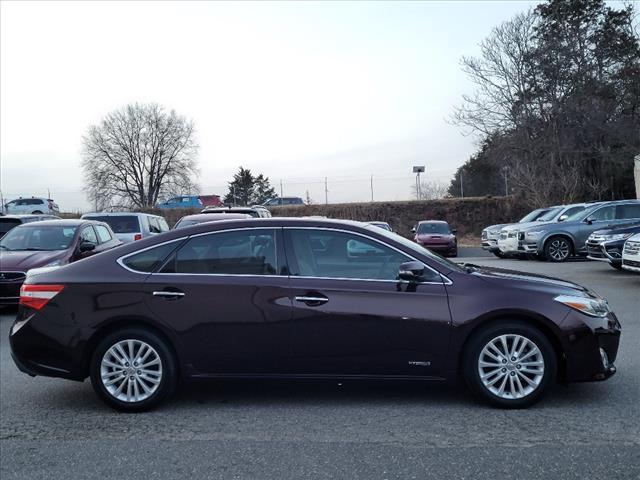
(534, 234)
(594, 307)
(617, 236)
(55, 263)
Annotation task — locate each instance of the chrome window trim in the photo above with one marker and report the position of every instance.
(445, 280)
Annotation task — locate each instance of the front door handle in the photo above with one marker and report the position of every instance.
(313, 300)
(169, 295)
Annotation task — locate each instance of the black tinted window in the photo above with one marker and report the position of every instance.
(323, 253)
(119, 223)
(243, 252)
(630, 211)
(605, 213)
(7, 224)
(150, 260)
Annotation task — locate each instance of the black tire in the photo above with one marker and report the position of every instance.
(617, 266)
(37, 212)
(558, 249)
(478, 342)
(498, 253)
(168, 380)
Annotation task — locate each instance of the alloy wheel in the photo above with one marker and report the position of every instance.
(511, 366)
(131, 370)
(559, 249)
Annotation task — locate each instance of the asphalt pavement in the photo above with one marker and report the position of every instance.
(53, 428)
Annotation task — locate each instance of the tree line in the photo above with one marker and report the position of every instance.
(556, 105)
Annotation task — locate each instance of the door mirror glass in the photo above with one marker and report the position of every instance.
(563, 217)
(454, 231)
(590, 219)
(413, 230)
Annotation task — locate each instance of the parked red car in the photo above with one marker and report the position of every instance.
(437, 236)
(48, 243)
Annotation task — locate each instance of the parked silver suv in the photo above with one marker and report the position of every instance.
(131, 226)
(33, 205)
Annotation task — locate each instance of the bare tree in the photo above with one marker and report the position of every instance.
(430, 190)
(137, 155)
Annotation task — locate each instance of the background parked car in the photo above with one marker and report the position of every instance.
(32, 205)
(491, 234)
(383, 225)
(8, 222)
(48, 244)
(437, 236)
(182, 201)
(189, 220)
(607, 245)
(129, 226)
(283, 201)
(631, 254)
(508, 240)
(257, 211)
(558, 241)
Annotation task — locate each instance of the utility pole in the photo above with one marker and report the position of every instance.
(418, 170)
(281, 190)
(505, 171)
(372, 188)
(326, 192)
(461, 185)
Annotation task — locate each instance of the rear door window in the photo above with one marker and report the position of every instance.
(241, 252)
(119, 223)
(604, 213)
(88, 234)
(150, 260)
(628, 212)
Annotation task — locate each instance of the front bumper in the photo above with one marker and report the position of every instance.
(631, 265)
(10, 292)
(606, 251)
(592, 347)
(508, 245)
(490, 244)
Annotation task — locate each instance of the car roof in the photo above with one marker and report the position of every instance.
(119, 214)
(212, 216)
(29, 215)
(432, 221)
(231, 209)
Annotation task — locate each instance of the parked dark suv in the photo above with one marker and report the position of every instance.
(305, 298)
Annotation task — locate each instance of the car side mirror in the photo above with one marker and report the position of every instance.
(454, 231)
(590, 220)
(563, 218)
(411, 271)
(413, 230)
(87, 247)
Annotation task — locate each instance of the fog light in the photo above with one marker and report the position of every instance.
(605, 358)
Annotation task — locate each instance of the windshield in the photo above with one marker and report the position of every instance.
(530, 217)
(47, 238)
(437, 228)
(414, 247)
(550, 215)
(119, 223)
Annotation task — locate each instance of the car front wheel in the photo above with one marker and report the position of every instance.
(510, 365)
(558, 249)
(133, 370)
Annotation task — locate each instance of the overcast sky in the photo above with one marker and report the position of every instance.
(297, 91)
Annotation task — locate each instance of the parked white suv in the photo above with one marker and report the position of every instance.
(131, 226)
(631, 254)
(31, 205)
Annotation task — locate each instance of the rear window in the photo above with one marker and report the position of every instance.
(7, 224)
(149, 260)
(119, 223)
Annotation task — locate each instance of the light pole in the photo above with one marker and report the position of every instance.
(418, 169)
(505, 172)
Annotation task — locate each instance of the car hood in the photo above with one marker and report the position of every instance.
(497, 227)
(525, 225)
(620, 229)
(515, 279)
(21, 260)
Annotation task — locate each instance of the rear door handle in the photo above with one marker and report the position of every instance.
(168, 294)
(313, 300)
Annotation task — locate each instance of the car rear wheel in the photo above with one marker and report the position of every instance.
(133, 370)
(510, 365)
(36, 212)
(558, 249)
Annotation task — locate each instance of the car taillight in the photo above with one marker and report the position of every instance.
(37, 296)
(137, 236)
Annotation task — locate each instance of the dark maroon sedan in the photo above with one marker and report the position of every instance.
(305, 298)
(437, 236)
(48, 243)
